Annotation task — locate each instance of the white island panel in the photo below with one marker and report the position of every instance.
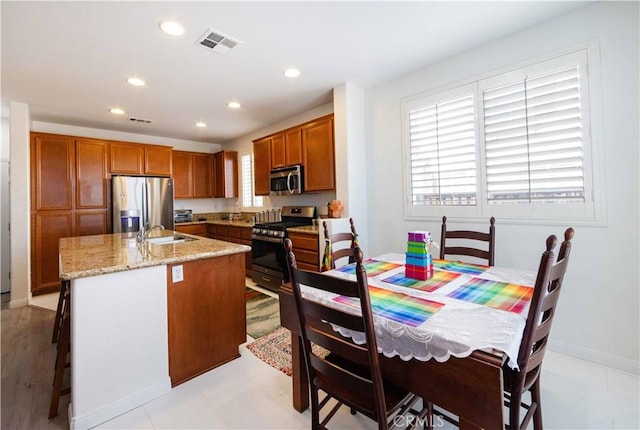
(119, 333)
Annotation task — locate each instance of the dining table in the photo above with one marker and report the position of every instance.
(445, 338)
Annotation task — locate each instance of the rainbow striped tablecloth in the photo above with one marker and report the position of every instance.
(499, 295)
(439, 279)
(459, 267)
(373, 267)
(398, 307)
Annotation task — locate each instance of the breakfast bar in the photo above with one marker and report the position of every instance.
(147, 316)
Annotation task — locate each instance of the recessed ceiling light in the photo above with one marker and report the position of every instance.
(292, 73)
(172, 28)
(117, 111)
(234, 105)
(137, 82)
(201, 124)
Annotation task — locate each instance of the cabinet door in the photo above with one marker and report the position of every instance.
(52, 159)
(89, 222)
(202, 175)
(293, 144)
(226, 174)
(318, 154)
(126, 158)
(91, 174)
(47, 229)
(196, 229)
(182, 175)
(278, 151)
(261, 166)
(157, 160)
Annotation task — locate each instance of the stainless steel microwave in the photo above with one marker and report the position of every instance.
(286, 181)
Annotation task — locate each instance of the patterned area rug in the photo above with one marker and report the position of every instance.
(263, 313)
(275, 350)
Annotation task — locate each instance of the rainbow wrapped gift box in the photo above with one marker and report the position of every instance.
(419, 263)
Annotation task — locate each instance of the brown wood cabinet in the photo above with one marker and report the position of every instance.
(193, 175)
(195, 229)
(69, 197)
(305, 248)
(139, 159)
(261, 166)
(206, 315)
(310, 144)
(318, 155)
(226, 174)
(235, 234)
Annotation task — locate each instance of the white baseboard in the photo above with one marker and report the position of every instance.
(597, 357)
(18, 303)
(119, 407)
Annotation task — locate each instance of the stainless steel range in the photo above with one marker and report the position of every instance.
(269, 261)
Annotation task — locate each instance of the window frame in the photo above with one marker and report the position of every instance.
(254, 199)
(592, 212)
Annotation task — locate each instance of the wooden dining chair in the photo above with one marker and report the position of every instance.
(534, 340)
(338, 246)
(350, 373)
(536, 335)
(467, 242)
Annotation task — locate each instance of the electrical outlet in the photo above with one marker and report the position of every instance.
(177, 274)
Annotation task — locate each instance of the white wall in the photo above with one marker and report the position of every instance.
(597, 316)
(244, 145)
(5, 214)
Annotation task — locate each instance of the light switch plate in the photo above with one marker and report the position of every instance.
(176, 274)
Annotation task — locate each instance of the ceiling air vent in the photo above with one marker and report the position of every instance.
(217, 41)
(140, 120)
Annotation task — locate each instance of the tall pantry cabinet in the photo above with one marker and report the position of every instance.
(69, 197)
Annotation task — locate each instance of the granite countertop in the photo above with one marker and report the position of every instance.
(247, 224)
(306, 229)
(85, 256)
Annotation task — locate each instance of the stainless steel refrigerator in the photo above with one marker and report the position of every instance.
(141, 201)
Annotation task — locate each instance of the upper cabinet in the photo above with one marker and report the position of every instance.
(261, 165)
(318, 155)
(91, 174)
(52, 172)
(192, 175)
(139, 159)
(226, 174)
(200, 175)
(310, 144)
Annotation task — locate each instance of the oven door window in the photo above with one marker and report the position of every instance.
(270, 255)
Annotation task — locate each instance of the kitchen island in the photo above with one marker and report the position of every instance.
(146, 316)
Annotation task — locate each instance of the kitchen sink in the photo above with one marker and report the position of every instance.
(167, 240)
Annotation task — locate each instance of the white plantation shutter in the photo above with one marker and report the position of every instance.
(248, 198)
(443, 153)
(533, 140)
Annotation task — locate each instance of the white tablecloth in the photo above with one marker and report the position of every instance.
(457, 329)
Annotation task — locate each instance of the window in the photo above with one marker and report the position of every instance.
(249, 200)
(514, 145)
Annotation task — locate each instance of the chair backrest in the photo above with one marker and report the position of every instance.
(543, 303)
(464, 238)
(336, 377)
(338, 246)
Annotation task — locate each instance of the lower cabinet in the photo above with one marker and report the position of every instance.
(195, 229)
(235, 234)
(305, 248)
(206, 315)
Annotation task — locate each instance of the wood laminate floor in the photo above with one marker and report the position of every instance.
(28, 357)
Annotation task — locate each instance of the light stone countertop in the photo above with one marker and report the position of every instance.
(84, 256)
(306, 229)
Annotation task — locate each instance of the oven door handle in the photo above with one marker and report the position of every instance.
(267, 239)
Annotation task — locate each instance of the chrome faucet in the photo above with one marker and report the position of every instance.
(142, 234)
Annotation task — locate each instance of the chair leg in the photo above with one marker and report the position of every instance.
(536, 400)
(57, 322)
(514, 410)
(61, 363)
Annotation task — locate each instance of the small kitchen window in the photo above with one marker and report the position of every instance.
(249, 199)
(516, 145)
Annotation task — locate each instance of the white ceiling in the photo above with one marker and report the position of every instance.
(69, 60)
